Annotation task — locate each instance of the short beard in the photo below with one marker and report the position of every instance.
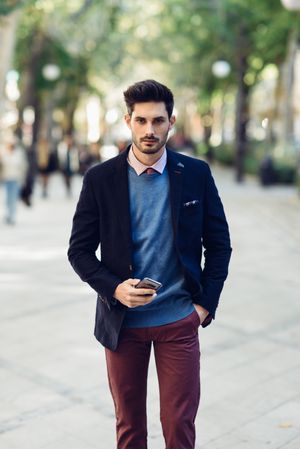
(154, 150)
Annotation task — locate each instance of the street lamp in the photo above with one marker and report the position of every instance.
(221, 69)
(51, 72)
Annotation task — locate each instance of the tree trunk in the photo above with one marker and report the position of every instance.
(69, 117)
(30, 96)
(207, 130)
(288, 85)
(7, 43)
(242, 108)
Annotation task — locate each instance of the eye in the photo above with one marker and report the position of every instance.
(140, 120)
(159, 120)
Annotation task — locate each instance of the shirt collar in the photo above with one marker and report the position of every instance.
(139, 168)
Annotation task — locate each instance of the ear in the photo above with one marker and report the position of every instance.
(127, 119)
(172, 121)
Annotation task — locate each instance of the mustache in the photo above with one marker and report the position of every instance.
(151, 139)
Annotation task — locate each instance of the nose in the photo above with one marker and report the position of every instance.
(149, 129)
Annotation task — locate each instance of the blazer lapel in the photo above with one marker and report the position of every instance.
(121, 193)
(176, 173)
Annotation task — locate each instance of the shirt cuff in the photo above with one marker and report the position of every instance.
(207, 320)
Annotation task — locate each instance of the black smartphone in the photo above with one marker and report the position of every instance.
(149, 283)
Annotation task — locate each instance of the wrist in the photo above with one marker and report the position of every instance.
(202, 312)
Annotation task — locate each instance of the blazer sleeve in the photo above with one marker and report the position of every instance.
(84, 241)
(217, 249)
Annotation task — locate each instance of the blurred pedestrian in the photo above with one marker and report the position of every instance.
(122, 145)
(46, 163)
(152, 211)
(267, 173)
(95, 151)
(68, 160)
(181, 143)
(31, 172)
(13, 170)
(88, 156)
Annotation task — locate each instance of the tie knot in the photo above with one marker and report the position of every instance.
(150, 171)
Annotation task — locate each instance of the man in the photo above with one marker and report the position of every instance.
(68, 161)
(13, 166)
(151, 211)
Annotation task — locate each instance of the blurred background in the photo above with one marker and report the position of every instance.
(234, 68)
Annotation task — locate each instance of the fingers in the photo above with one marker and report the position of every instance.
(139, 291)
(135, 301)
(140, 296)
(130, 296)
(131, 281)
(142, 291)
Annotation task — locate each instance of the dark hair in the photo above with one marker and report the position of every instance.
(148, 90)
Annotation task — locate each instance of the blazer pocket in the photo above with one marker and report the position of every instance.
(192, 207)
(104, 300)
(191, 204)
(191, 218)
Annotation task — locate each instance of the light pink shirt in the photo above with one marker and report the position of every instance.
(139, 168)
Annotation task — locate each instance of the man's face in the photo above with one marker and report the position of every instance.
(149, 125)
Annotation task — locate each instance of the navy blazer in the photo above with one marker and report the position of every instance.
(102, 218)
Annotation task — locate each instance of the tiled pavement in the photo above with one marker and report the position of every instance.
(53, 388)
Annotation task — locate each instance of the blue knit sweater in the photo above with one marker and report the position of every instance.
(154, 253)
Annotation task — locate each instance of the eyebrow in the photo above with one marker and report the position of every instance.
(154, 118)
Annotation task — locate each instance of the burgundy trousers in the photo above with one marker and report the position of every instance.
(177, 358)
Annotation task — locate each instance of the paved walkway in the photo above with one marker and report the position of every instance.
(54, 391)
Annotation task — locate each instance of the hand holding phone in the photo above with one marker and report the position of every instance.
(149, 283)
(130, 296)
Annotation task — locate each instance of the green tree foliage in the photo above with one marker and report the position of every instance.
(99, 41)
(249, 35)
(194, 34)
(8, 6)
(74, 36)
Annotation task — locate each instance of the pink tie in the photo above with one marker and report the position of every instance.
(150, 171)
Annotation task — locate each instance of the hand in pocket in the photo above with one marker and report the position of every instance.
(202, 313)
